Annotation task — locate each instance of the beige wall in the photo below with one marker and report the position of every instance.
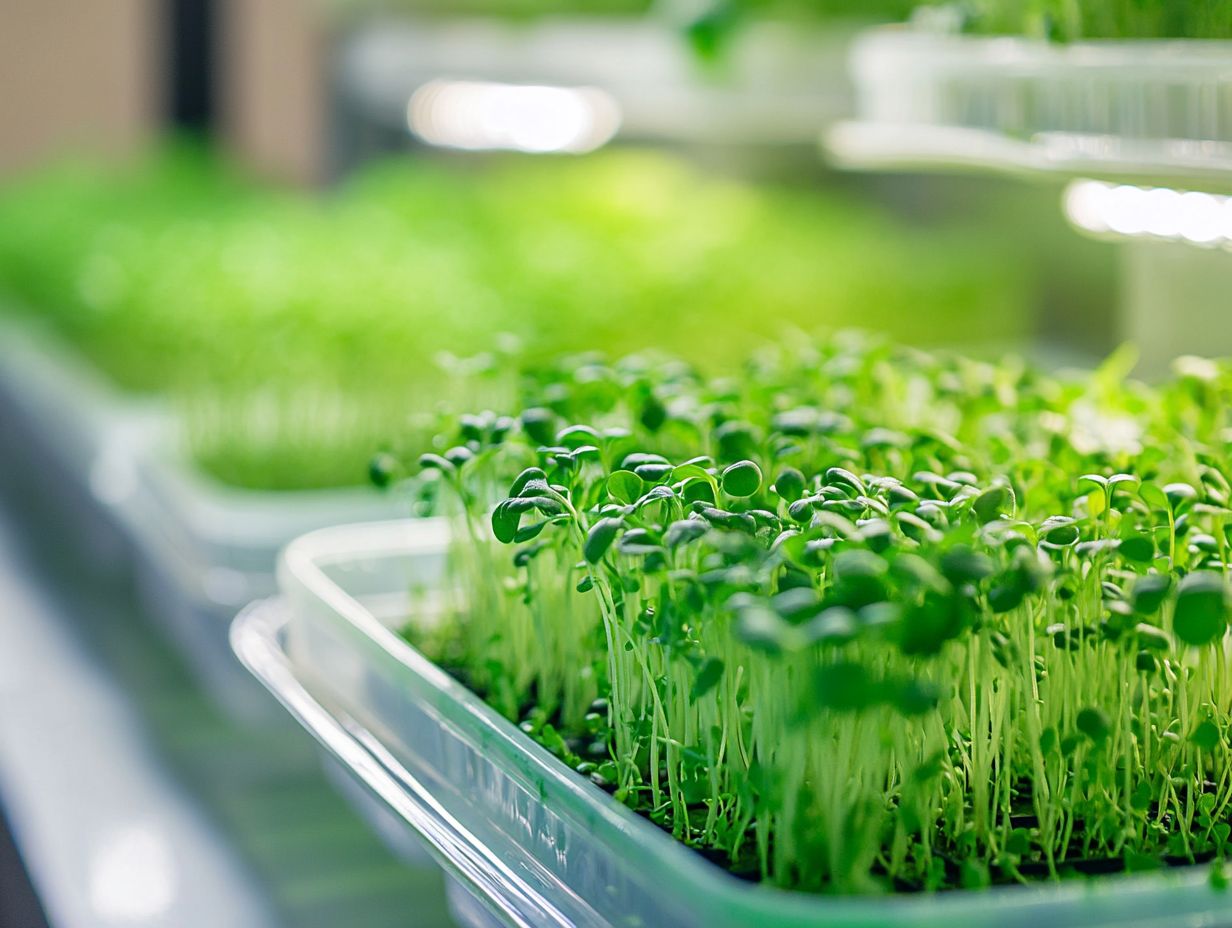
(77, 76)
(272, 87)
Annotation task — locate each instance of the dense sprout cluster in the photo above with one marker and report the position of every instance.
(861, 618)
(1056, 20)
(1069, 21)
(296, 331)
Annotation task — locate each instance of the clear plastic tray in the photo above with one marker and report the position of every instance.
(1149, 110)
(378, 788)
(205, 550)
(66, 446)
(197, 550)
(540, 844)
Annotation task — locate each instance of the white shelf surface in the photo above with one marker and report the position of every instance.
(108, 836)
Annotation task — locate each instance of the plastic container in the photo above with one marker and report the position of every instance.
(67, 446)
(109, 467)
(539, 844)
(1135, 109)
(375, 788)
(204, 550)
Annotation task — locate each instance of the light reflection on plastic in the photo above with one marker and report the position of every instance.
(1149, 212)
(132, 876)
(479, 115)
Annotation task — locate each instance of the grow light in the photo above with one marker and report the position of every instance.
(1149, 212)
(479, 115)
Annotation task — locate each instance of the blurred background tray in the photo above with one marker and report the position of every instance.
(125, 494)
(1142, 111)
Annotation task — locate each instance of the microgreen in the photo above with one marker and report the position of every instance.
(293, 333)
(1063, 20)
(953, 642)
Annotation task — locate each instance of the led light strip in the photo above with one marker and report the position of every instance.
(479, 115)
(1149, 212)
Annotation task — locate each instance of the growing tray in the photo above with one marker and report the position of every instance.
(373, 783)
(538, 843)
(109, 469)
(1156, 111)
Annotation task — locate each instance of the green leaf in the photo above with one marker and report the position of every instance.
(763, 629)
(841, 476)
(1137, 548)
(1200, 615)
(993, 502)
(527, 532)
(1004, 597)
(1179, 494)
(600, 538)
(916, 697)
(436, 462)
(690, 469)
(1205, 735)
(789, 484)
(741, 479)
(1154, 497)
(636, 459)
(684, 531)
(1099, 481)
(963, 564)
(1142, 797)
(1060, 531)
(653, 471)
(1019, 842)
(698, 490)
(1149, 593)
(575, 436)
(735, 441)
(531, 474)
(707, 678)
(382, 469)
(926, 626)
(844, 687)
(1094, 723)
(653, 414)
(539, 424)
(624, 486)
(505, 519)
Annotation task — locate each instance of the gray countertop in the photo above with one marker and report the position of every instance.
(132, 802)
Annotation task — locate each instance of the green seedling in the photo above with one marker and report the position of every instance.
(294, 333)
(980, 648)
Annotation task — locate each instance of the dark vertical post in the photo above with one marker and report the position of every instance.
(191, 64)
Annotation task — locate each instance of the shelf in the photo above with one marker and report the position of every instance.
(1139, 111)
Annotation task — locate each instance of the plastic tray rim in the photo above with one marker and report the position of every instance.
(301, 565)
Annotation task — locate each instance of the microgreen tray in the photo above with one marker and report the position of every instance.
(125, 496)
(208, 549)
(558, 850)
(1140, 109)
(67, 447)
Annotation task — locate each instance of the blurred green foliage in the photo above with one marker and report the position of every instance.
(1072, 20)
(1058, 20)
(295, 330)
